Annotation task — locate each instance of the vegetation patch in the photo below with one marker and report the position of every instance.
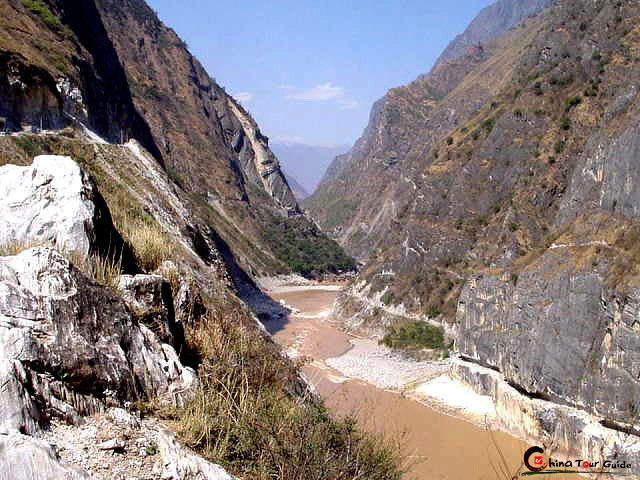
(299, 244)
(415, 335)
(41, 9)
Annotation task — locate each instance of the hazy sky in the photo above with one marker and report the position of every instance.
(309, 70)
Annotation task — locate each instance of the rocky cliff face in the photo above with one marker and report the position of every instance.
(491, 22)
(148, 211)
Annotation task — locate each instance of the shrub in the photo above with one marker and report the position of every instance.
(560, 144)
(573, 101)
(42, 10)
(537, 89)
(415, 335)
(387, 298)
(449, 140)
(566, 123)
(433, 311)
(488, 124)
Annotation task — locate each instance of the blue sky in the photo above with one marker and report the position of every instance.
(309, 70)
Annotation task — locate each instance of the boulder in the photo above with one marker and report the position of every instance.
(27, 458)
(181, 464)
(54, 201)
(70, 347)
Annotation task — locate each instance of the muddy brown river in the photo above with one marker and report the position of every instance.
(439, 446)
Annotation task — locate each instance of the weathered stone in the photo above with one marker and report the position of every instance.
(181, 464)
(150, 300)
(55, 201)
(113, 444)
(188, 304)
(27, 458)
(122, 417)
(69, 346)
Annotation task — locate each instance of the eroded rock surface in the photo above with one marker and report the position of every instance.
(55, 201)
(70, 346)
(565, 327)
(150, 300)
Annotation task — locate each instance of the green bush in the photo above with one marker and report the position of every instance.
(415, 335)
(387, 298)
(41, 9)
(307, 251)
(433, 311)
(488, 124)
(573, 101)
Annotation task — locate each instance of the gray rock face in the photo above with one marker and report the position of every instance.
(558, 332)
(55, 201)
(188, 305)
(26, 458)
(150, 300)
(607, 176)
(70, 347)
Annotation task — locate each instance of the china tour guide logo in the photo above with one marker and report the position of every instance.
(537, 464)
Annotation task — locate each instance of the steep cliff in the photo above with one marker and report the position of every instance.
(128, 256)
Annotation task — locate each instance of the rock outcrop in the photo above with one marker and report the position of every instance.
(492, 21)
(72, 346)
(55, 202)
(150, 300)
(566, 326)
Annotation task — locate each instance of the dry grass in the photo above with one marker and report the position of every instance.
(245, 418)
(14, 248)
(105, 271)
(150, 245)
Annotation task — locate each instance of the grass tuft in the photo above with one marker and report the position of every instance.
(105, 271)
(14, 248)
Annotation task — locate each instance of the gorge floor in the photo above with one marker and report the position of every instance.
(438, 445)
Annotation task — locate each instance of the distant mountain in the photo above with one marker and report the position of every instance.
(307, 163)
(298, 190)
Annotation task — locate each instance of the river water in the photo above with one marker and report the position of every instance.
(439, 446)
